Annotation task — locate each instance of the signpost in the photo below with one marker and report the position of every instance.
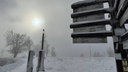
(40, 65)
(89, 22)
(30, 61)
(89, 26)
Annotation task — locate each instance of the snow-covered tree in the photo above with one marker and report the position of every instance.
(29, 43)
(17, 42)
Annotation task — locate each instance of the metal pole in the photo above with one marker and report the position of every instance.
(30, 61)
(40, 66)
(43, 40)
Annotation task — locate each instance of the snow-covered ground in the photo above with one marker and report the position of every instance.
(67, 64)
(79, 64)
(14, 66)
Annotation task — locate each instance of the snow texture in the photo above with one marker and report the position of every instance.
(18, 66)
(104, 64)
(67, 64)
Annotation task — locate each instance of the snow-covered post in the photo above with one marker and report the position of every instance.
(40, 66)
(30, 61)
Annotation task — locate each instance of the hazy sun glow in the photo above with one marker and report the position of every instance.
(36, 21)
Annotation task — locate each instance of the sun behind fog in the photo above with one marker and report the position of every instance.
(36, 21)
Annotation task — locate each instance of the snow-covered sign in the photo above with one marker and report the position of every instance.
(90, 28)
(90, 40)
(88, 16)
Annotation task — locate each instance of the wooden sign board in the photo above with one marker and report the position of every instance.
(88, 17)
(93, 28)
(90, 40)
(90, 28)
(86, 8)
(89, 7)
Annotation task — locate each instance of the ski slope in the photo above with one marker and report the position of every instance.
(67, 64)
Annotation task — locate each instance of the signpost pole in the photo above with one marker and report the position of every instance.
(30, 61)
(40, 66)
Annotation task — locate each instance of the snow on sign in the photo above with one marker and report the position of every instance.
(88, 18)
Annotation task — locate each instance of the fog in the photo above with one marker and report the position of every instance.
(16, 15)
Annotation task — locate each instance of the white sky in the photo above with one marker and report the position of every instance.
(17, 15)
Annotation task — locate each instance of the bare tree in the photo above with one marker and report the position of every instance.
(17, 42)
(29, 43)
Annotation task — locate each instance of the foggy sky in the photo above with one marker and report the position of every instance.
(15, 14)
